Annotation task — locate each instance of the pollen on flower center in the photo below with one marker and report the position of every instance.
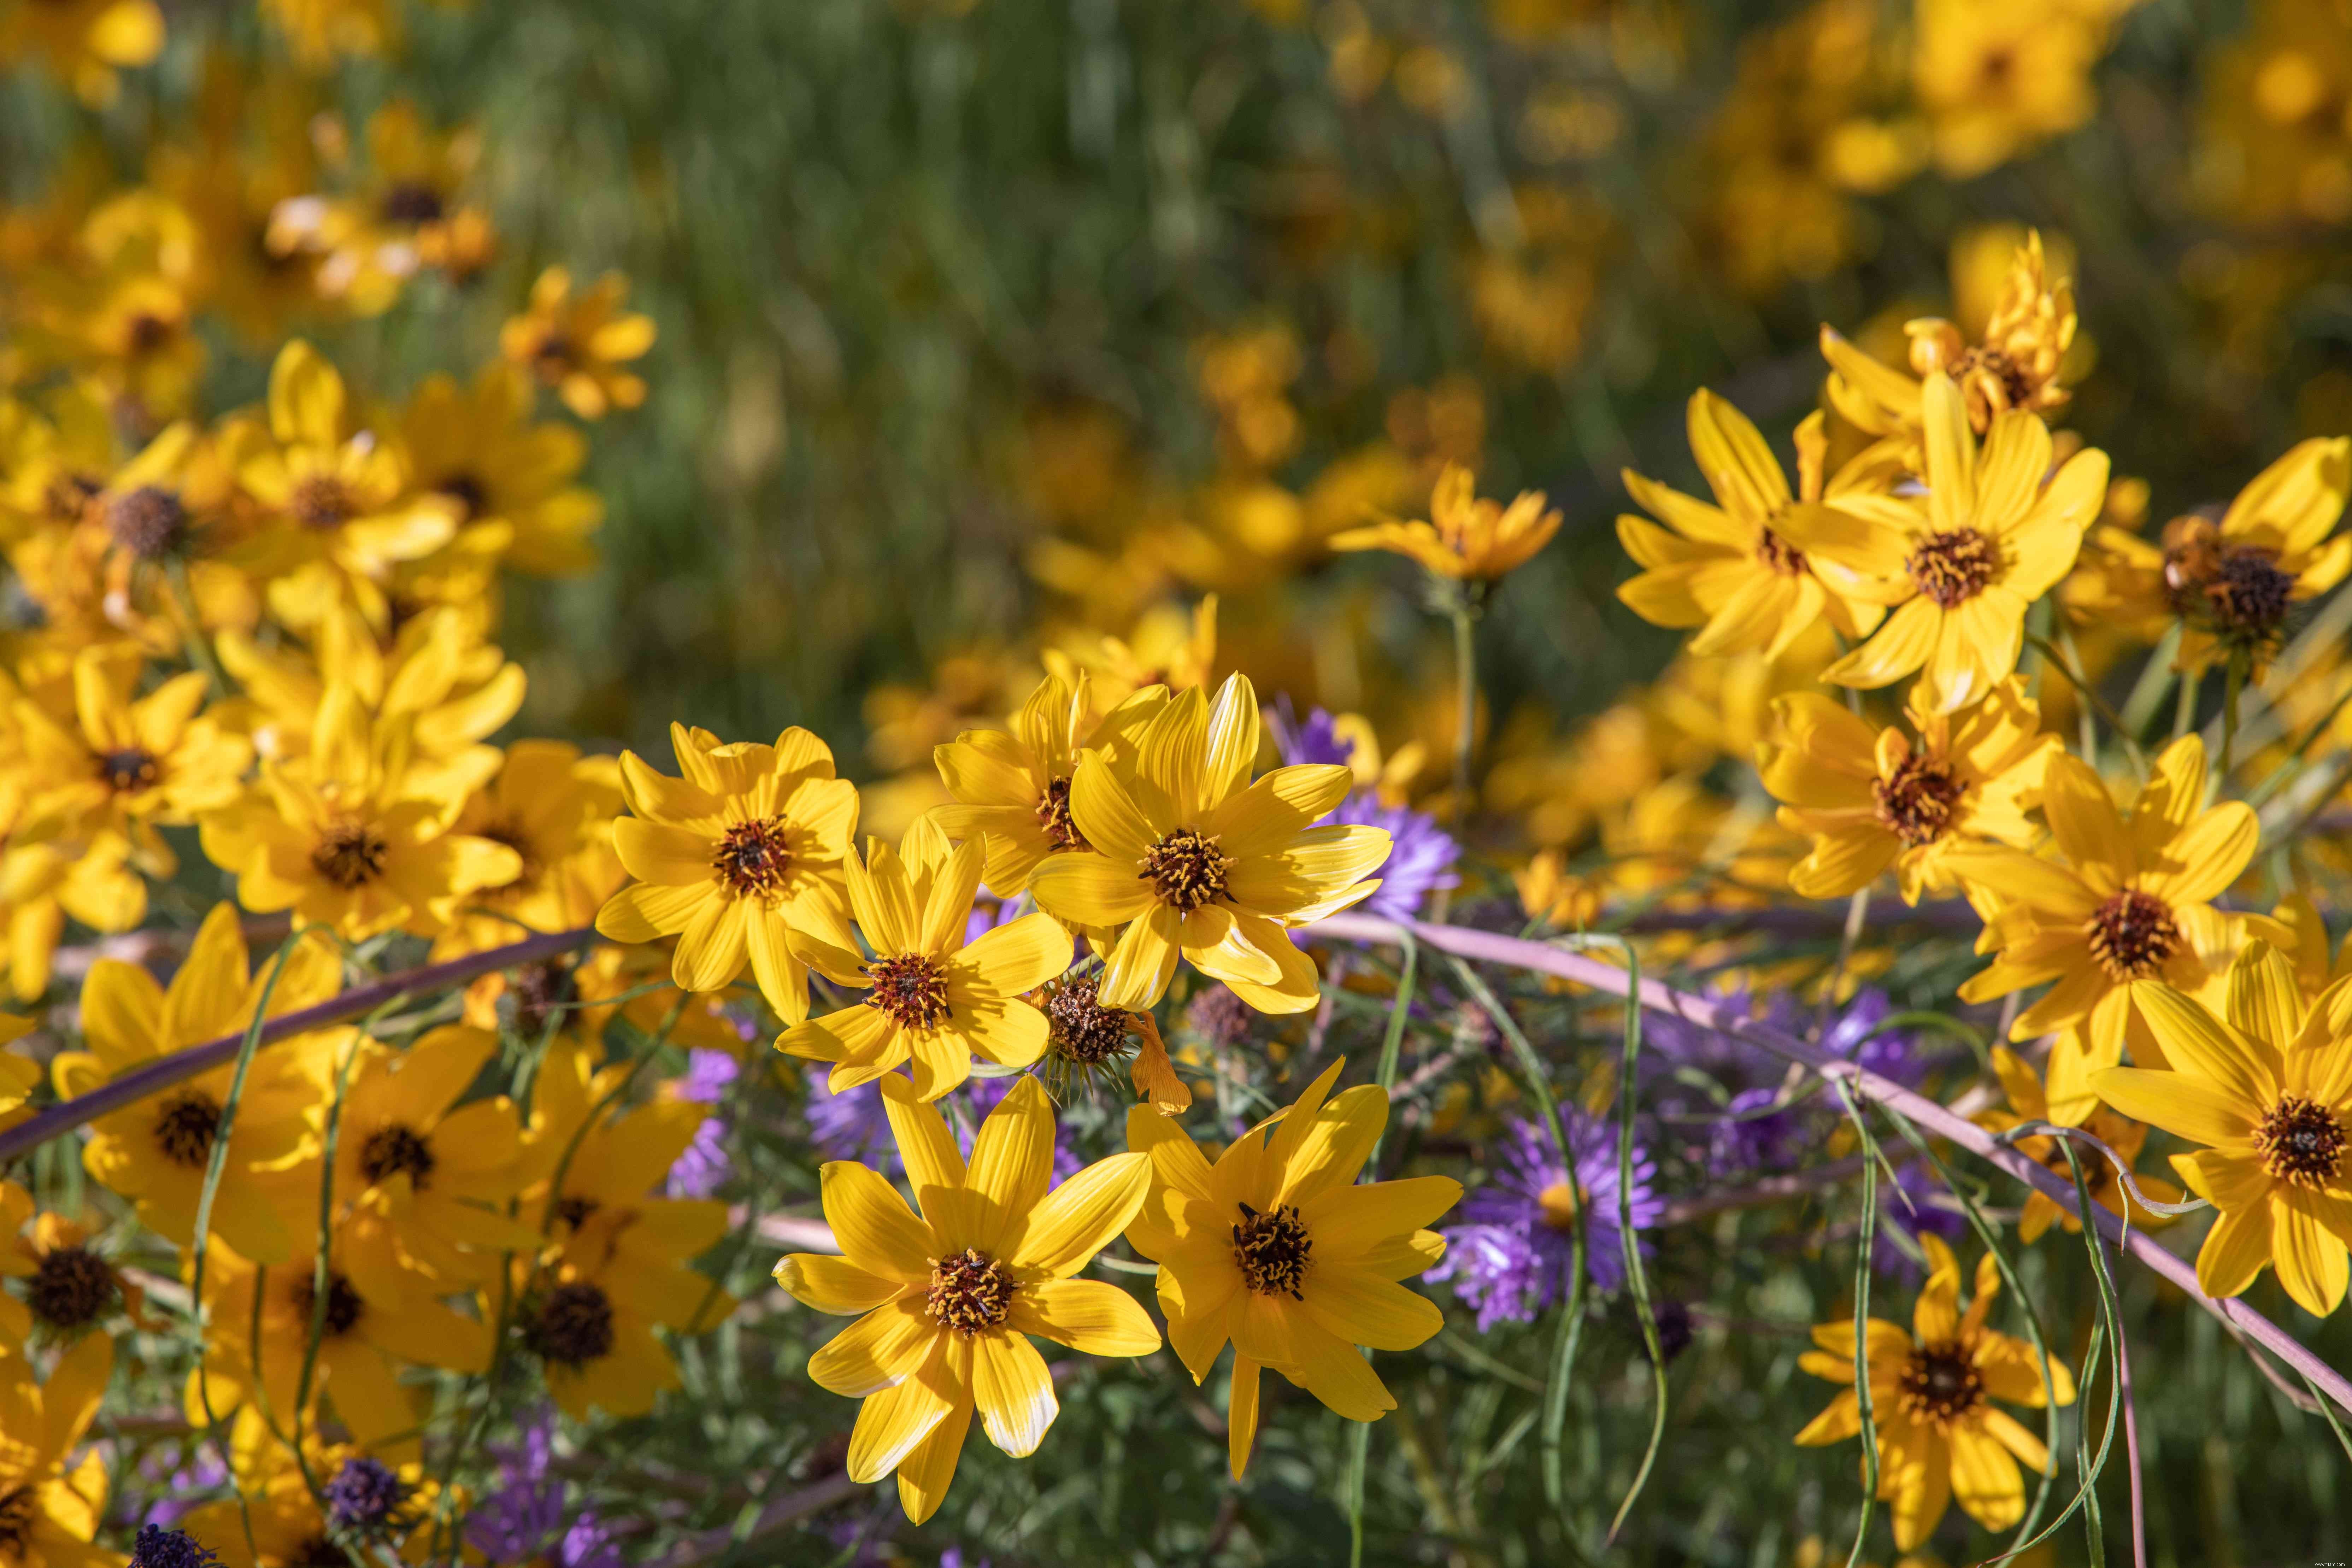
(17, 1518)
(1940, 1381)
(350, 855)
(1186, 870)
(2301, 1141)
(128, 768)
(911, 988)
(148, 523)
(1271, 1250)
(396, 1151)
(1779, 555)
(1952, 568)
(186, 1126)
(2133, 934)
(574, 1325)
(1979, 367)
(2249, 595)
(72, 1287)
(753, 858)
(322, 501)
(970, 1291)
(1054, 816)
(1917, 802)
(412, 202)
(1078, 1028)
(345, 1305)
(1558, 1203)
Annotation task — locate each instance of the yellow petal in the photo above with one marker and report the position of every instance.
(1012, 1390)
(1079, 1218)
(880, 1349)
(1090, 1315)
(833, 1285)
(873, 1225)
(891, 1423)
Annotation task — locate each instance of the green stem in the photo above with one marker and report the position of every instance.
(1359, 1440)
(1868, 1232)
(2184, 713)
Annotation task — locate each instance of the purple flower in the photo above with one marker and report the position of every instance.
(1745, 1140)
(1420, 854)
(986, 916)
(183, 1487)
(1513, 1257)
(702, 1167)
(851, 1125)
(522, 1522)
(1315, 741)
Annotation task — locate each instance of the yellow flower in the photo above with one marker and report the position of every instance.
(85, 42)
(2233, 581)
(410, 214)
(421, 1183)
(931, 1001)
(605, 1207)
(1960, 570)
(591, 1321)
(1873, 800)
(128, 766)
(746, 848)
(1998, 79)
(554, 808)
(578, 346)
(2268, 1090)
(340, 490)
(54, 1506)
(1729, 569)
(348, 836)
(2129, 903)
(1549, 892)
(511, 476)
(1470, 539)
(950, 1296)
(2014, 363)
(1013, 791)
(318, 31)
(154, 1153)
(288, 1529)
(1167, 646)
(69, 1286)
(1277, 1249)
(19, 1076)
(1939, 1436)
(2028, 1101)
(1194, 859)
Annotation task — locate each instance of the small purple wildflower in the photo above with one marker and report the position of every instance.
(522, 1522)
(851, 1125)
(702, 1167)
(365, 1497)
(1513, 1257)
(1746, 1140)
(1422, 854)
(183, 1487)
(158, 1547)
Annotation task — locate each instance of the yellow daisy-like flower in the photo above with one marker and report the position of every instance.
(592, 1321)
(931, 1001)
(154, 1153)
(746, 848)
(54, 1506)
(606, 1202)
(579, 345)
(1873, 800)
(69, 1286)
(1729, 569)
(2267, 1089)
(128, 763)
(950, 1296)
(554, 808)
(1940, 1437)
(2129, 903)
(1467, 538)
(2014, 362)
(1960, 570)
(275, 1521)
(2232, 583)
(1276, 1249)
(1998, 79)
(1194, 860)
(2030, 1102)
(1012, 790)
(478, 448)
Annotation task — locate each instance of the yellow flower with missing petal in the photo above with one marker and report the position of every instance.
(948, 1299)
(1729, 569)
(1467, 538)
(1997, 530)
(931, 1001)
(2267, 1089)
(1871, 801)
(1940, 1439)
(1195, 861)
(1277, 1249)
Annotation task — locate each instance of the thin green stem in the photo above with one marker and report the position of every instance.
(1636, 1275)
(1867, 1233)
(1359, 1440)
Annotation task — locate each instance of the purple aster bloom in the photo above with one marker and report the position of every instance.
(1892, 1053)
(987, 915)
(702, 1167)
(1746, 1140)
(522, 1522)
(1314, 741)
(1420, 854)
(851, 1125)
(183, 1486)
(983, 1095)
(1513, 1257)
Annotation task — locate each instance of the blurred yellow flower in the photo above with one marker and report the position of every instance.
(1471, 539)
(2234, 582)
(1998, 79)
(85, 42)
(55, 1505)
(2028, 1101)
(579, 344)
(507, 477)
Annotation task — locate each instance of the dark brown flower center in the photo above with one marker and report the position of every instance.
(396, 1151)
(1054, 816)
(1940, 1381)
(1986, 365)
(322, 501)
(412, 202)
(754, 857)
(1916, 802)
(554, 354)
(970, 1291)
(511, 833)
(1779, 555)
(2249, 595)
(2301, 1141)
(1078, 1028)
(574, 1325)
(350, 855)
(2133, 934)
(149, 333)
(1186, 870)
(127, 769)
(911, 987)
(467, 491)
(148, 523)
(1271, 1250)
(1952, 568)
(532, 994)
(19, 1511)
(72, 1287)
(574, 1210)
(186, 1126)
(345, 1306)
